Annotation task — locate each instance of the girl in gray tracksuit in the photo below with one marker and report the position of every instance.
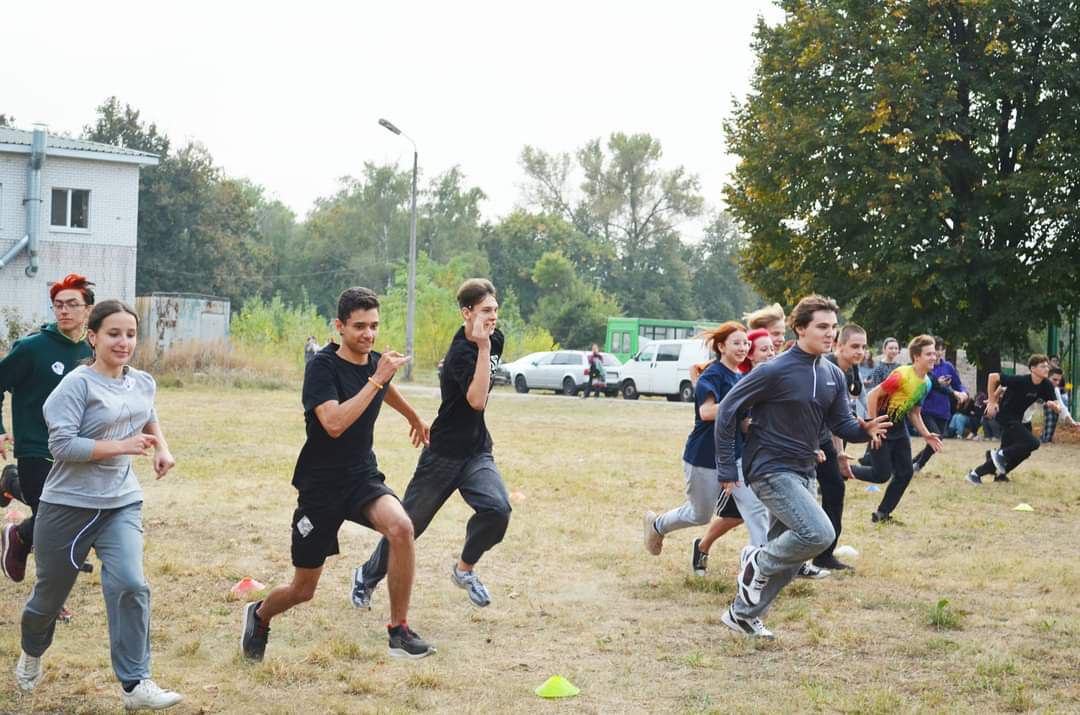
(98, 417)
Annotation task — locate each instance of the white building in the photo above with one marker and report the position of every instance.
(66, 206)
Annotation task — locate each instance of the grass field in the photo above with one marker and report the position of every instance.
(969, 606)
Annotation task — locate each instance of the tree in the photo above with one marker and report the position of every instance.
(631, 207)
(121, 126)
(917, 161)
(720, 292)
(574, 312)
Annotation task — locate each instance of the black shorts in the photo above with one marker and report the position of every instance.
(321, 511)
(726, 506)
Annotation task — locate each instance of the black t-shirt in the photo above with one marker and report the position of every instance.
(325, 461)
(1020, 394)
(459, 430)
(851, 376)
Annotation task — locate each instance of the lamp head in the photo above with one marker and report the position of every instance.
(389, 125)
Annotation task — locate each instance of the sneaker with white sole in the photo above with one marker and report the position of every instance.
(751, 581)
(809, 570)
(699, 560)
(148, 696)
(406, 643)
(361, 594)
(750, 627)
(999, 461)
(471, 583)
(654, 540)
(974, 478)
(28, 671)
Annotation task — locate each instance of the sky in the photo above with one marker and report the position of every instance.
(290, 96)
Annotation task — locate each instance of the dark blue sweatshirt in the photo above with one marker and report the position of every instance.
(792, 397)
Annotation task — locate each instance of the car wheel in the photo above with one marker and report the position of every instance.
(629, 390)
(569, 388)
(520, 385)
(686, 391)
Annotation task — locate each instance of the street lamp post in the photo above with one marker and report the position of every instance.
(410, 312)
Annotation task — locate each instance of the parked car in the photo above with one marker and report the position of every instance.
(662, 367)
(507, 371)
(566, 372)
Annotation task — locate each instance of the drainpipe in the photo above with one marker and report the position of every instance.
(32, 203)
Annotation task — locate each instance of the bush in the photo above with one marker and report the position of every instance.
(12, 327)
(215, 363)
(277, 329)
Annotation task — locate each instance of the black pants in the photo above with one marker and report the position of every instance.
(1017, 444)
(831, 486)
(32, 473)
(435, 480)
(892, 464)
(937, 426)
(589, 387)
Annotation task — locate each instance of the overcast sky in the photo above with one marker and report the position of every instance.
(290, 98)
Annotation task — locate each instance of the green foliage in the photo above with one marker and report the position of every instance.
(278, 327)
(918, 162)
(720, 291)
(12, 327)
(943, 617)
(575, 312)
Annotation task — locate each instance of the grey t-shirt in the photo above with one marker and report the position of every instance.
(86, 407)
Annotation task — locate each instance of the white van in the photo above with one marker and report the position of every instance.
(662, 367)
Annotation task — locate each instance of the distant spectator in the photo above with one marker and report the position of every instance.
(937, 409)
(890, 351)
(597, 380)
(310, 348)
(1050, 415)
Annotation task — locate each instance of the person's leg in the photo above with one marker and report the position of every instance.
(717, 528)
(1017, 444)
(434, 480)
(1050, 417)
(755, 515)
(32, 473)
(936, 426)
(880, 469)
(57, 549)
(388, 517)
(800, 530)
(281, 598)
(831, 484)
(119, 546)
(483, 489)
(702, 490)
(899, 451)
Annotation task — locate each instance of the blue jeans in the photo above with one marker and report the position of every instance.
(799, 530)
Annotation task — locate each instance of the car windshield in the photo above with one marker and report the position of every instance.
(611, 360)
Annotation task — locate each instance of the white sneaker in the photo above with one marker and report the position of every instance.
(654, 540)
(28, 671)
(751, 581)
(148, 696)
(808, 570)
(752, 627)
(999, 460)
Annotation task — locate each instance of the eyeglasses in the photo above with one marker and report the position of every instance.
(68, 304)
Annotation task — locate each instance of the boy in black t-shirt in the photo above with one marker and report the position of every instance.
(459, 456)
(1017, 441)
(338, 478)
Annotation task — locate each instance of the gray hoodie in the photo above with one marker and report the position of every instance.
(86, 407)
(792, 396)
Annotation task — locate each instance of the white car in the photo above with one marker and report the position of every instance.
(564, 371)
(662, 367)
(508, 371)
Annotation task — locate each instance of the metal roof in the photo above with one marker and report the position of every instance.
(19, 141)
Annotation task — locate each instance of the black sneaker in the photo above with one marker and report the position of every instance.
(1002, 478)
(256, 633)
(973, 477)
(406, 643)
(9, 485)
(880, 517)
(832, 563)
(699, 560)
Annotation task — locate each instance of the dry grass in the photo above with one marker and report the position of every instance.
(575, 593)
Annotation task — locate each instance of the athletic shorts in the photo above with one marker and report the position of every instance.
(321, 512)
(726, 506)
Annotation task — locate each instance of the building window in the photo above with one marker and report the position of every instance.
(70, 208)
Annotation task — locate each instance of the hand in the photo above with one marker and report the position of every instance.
(991, 409)
(844, 462)
(163, 462)
(944, 380)
(961, 398)
(821, 456)
(934, 440)
(388, 365)
(481, 331)
(729, 487)
(5, 440)
(419, 433)
(138, 444)
(876, 428)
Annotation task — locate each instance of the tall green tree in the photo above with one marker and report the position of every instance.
(574, 312)
(918, 161)
(720, 291)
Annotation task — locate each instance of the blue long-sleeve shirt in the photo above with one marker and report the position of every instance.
(792, 396)
(939, 402)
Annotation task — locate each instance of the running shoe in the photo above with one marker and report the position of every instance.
(916, 467)
(28, 671)
(64, 616)
(1002, 478)
(471, 583)
(255, 634)
(751, 581)
(974, 478)
(654, 540)
(699, 560)
(147, 695)
(9, 485)
(999, 461)
(809, 570)
(13, 553)
(832, 563)
(405, 643)
(879, 517)
(361, 594)
(750, 627)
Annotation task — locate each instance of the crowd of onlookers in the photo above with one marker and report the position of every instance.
(963, 416)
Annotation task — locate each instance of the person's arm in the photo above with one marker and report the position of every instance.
(336, 417)
(63, 412)
(843, 459)
(419, 431)
(480, 385)
(708, 409)
(957, 385)
(934, 440)
(14, 369)
(992, 384)
(1059, 405)
(163, 459)
(740, 398)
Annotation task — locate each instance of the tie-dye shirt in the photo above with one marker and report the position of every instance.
(905, 391)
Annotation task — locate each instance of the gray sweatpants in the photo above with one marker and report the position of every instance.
(702, 491)
(799, 530)
(63, 536)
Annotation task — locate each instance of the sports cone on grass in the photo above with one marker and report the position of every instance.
(557, 687)
(245, 586)
(1023, 506)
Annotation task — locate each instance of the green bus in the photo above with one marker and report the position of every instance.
(625, 334)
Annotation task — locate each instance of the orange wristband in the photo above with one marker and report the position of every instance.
(377, 385)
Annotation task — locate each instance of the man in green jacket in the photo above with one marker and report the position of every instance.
(30, 371)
